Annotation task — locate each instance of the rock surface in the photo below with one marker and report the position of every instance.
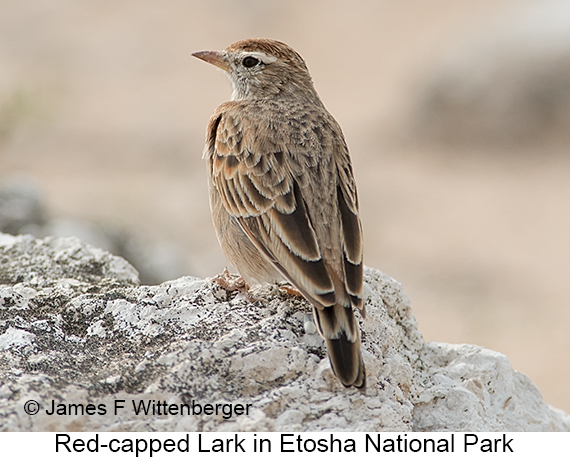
(23, 210)
(77, 329)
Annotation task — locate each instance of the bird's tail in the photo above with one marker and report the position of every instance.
(339, 327)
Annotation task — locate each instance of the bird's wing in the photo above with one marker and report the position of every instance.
(351, 228)
(251, 169)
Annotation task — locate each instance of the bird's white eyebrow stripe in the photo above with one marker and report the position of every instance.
(261, 56)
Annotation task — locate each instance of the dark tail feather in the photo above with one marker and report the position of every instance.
(339, 328)
(346, 362)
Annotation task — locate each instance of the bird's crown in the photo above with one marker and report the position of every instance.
(269, 47)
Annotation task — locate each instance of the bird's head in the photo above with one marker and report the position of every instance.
(262, 69)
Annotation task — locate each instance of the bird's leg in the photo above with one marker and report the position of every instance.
(230, 284)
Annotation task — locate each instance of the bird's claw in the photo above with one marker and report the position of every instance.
(290, 290)
(229, 283)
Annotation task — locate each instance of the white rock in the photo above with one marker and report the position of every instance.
(75, 326)
(15, 338)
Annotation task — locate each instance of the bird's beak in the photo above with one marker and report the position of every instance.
(214, 57)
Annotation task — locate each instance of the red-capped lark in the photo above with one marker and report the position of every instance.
(282, 191)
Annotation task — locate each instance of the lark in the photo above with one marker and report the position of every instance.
(282, 191)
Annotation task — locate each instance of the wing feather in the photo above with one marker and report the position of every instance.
(264, 190)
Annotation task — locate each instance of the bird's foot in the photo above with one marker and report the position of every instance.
(229, 283)
(290, 290)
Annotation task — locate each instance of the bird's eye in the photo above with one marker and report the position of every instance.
(250, 61)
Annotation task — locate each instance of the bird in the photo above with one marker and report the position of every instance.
(282, 191)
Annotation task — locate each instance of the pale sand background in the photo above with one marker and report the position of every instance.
(109, 122)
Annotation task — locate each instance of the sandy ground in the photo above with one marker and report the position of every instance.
(110, 113)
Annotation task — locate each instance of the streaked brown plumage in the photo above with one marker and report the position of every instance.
(282, 191)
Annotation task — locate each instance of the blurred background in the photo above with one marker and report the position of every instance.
(457, 115)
